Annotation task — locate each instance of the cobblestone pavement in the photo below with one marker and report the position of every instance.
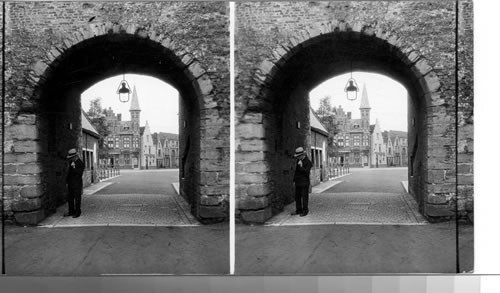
(135, 198)
(366, 196)
(127, 210)
(352, 208)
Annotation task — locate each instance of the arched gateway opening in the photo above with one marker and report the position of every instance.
(295, 68)
(93, 57)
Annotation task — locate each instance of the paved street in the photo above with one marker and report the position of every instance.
(387, 180)
(131, 224)
(364, 222)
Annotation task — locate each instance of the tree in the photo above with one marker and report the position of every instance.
(327, 116)
(325, 107)
(97, 116)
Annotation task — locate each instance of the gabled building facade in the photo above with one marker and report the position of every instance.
(124, 140)
(148, 148)
(319, 142)
(172, 152)
(353, 137)
(90, 151)
(167, 149)
(378, 156)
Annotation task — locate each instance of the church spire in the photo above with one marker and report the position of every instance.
(364, 99)
(134, 104)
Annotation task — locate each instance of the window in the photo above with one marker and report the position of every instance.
(356, 140)
(378, 135)
(126, 142)
(88, 159)
(341, 142)
(365, 140)
(136, 142)
(347, 141)
(111, 141)
(117, 142)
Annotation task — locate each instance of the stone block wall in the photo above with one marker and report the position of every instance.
(465, 160)
(410, 41)
(54, 50)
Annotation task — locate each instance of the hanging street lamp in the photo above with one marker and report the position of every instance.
(351, 88)
(123, 91)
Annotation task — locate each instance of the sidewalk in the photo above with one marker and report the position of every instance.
(89, 190)
(327, 184)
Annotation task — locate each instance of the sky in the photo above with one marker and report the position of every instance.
(158, 100)
(387, 97)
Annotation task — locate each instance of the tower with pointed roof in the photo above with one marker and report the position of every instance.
(135, 110)
(365, 108)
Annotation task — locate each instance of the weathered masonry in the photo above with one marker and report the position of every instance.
(285, 49)
(56, 50)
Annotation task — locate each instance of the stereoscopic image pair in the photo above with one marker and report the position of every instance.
(353, 146)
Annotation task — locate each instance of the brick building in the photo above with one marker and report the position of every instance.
(396, 145)
(90, 151)
(378, 153)
(124, 139)
(353, 137)
(319, 144)
(167, 149)
(148, 148)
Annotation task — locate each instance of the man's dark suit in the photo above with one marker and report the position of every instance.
(75, 186)
(302, 182)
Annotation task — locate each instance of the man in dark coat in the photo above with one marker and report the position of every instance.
(302, 182)
(75, 183)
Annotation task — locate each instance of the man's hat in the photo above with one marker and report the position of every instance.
(71, 153)
(299, 151)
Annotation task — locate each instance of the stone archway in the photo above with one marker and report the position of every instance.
(268, 128)
(44, 120)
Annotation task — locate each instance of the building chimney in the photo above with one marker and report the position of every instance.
(119, 117)
(348, 115)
